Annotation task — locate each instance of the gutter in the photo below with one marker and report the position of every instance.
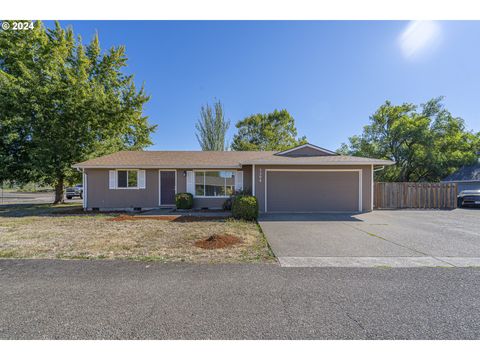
(160, 166)
(318, 164)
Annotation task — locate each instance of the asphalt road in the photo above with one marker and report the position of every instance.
(55, 299)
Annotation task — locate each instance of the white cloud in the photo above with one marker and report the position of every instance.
(419, 37)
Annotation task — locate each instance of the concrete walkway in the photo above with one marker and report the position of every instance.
(378, 239)
(368, 261)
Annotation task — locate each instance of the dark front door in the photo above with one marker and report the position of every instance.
(167, 187)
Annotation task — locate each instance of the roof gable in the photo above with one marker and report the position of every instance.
(305, 150)
(466, 173)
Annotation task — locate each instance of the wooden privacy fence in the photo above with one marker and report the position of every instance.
(414, 195)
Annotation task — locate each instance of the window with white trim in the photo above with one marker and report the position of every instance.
(214, 183)
(127, 179)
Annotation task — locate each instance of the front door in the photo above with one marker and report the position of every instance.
(167, 187)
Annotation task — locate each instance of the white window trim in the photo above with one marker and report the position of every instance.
(210, 197)
(360, 176)
(128, 187)
(160, 186)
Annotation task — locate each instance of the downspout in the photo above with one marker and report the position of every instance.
(253, 179)
(84, 190)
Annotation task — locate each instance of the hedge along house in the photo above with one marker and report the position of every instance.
(306, 178)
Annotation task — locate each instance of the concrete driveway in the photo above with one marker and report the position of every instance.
(403, 238)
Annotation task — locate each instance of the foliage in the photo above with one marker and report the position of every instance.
(62, 102)
(227, 205)
(212, 128)
(184, 200)
(245, 207)
(263, 132)
(427, 142)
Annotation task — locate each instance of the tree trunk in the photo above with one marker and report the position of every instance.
(59, 195)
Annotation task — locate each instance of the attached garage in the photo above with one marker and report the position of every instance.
(312, 190)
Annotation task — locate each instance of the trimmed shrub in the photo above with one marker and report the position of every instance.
(184, 200)
(227, 204)
(245, 207)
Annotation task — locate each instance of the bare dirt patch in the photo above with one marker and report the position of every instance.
(217, 241)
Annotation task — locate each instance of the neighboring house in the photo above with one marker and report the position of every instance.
(306, 178)
(467, 177)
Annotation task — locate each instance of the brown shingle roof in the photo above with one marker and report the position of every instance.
(320, 160)
(215, 159)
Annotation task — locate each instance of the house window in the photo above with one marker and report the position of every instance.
(127, 178)
(214, 183)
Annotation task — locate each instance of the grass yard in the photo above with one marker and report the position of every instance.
(46, 231)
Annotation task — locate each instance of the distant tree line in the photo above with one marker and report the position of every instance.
(426, 141)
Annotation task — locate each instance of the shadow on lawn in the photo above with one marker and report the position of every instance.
(49, 210)
(24, 210)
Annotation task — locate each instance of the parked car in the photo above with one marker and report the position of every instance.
(76, 190)
(468, 198)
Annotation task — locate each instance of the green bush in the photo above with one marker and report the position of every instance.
(227, 204)
(184, 200)
(245, 207)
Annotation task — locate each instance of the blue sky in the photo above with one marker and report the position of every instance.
(330, 75)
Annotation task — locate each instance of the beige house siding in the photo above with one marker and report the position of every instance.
(366, 181)
(247, 177)
(100, 196)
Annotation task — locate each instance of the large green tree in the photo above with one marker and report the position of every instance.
(212, 128)
(263, 132)
(62, 102)
(426, 142)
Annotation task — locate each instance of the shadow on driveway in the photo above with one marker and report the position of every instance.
(309, 217)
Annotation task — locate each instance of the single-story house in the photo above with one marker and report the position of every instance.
(467, 177)
(306, 178)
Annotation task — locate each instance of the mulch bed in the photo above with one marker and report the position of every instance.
(174, 218)
(218, 242)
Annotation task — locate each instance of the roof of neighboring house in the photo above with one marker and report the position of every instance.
(465, 173)
(217, 159)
